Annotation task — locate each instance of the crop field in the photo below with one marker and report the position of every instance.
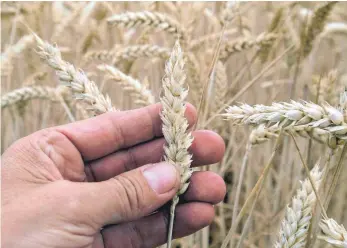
(269, 77)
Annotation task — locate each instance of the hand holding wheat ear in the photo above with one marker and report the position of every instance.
(175, 125)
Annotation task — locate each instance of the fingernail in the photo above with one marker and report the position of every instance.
(161, 177)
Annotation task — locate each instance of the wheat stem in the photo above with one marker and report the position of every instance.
(255, 191)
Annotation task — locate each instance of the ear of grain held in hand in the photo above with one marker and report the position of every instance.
(269, 77)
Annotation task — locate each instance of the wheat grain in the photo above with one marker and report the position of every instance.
(335, 234)
(140, 93)
(156, 20)
(242, 44)
(262, 134)
(175, 125)
(293, 232)
(80, 85)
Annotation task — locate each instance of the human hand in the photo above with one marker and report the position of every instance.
(97, 183)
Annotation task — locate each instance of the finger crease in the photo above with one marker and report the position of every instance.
(90, 171)
(152, 123)
(132, 163)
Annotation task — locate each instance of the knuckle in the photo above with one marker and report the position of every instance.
(130, 194)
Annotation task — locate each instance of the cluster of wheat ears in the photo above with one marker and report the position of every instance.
(285, 163)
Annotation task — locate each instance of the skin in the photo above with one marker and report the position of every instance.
(101, 183)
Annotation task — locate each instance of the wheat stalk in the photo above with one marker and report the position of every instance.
(293, 232)
(156, 20)
(32, 92)
(139, 91)
(77, 80)
(302, 118)
(335, 234)
(175, 125)
(244, 44)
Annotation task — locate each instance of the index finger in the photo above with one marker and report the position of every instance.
(109, 132)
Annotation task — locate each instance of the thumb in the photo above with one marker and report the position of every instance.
(130, 195)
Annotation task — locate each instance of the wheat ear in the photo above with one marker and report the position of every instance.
(99, 55)
(138, 91)
(156, 20)
(245, 44)
(77, 80)
(175, 125)
(293, 232)
(326, 123)
(31, 92)
(140, 51)
(221, 84)
(273, 28)
(335, 234)
(316, 26)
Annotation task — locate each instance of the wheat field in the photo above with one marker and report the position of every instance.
(269, 77)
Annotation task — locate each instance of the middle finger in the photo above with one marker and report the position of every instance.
(207, 148)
